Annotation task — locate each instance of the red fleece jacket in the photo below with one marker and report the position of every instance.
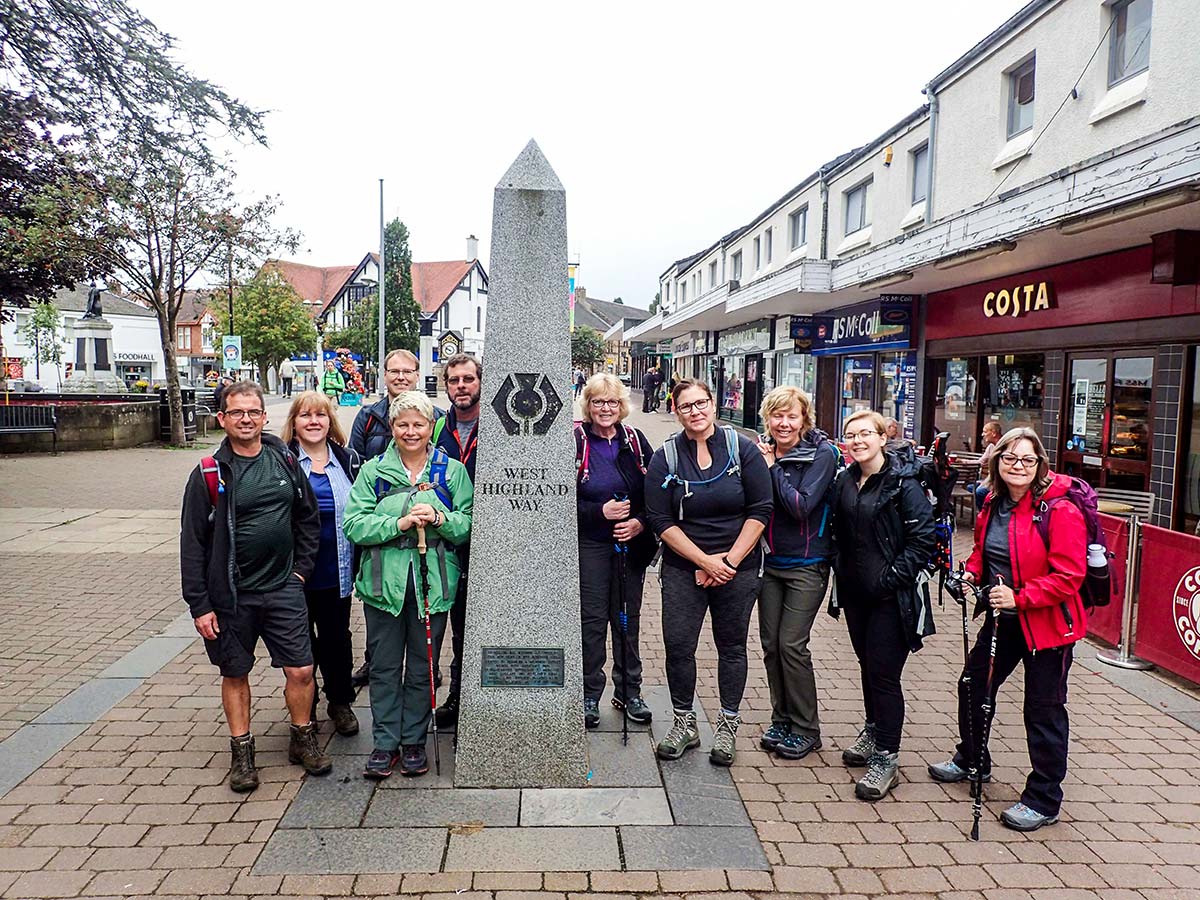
(1047, 578)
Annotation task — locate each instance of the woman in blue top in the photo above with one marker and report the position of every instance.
(315, 436)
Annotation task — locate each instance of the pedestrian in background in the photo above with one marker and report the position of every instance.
(883, 530)
(991, 435)
(799, 539)
(332, 383)
(615, 545)
(1033, 582)
(287, 374)
(248, 539)
(313, 433)
(708, 498)
(407, 486)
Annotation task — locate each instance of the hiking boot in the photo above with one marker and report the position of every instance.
(303, 750)
(950, 772)
(861, 750)
(1020, 817)
(883, 771)
(636, 710)
(414, 761)
(361, 675)
(447, 713)
(344, 721)
(313, 716)
(773, 737)
(682, 737)
(243, 777)
(591, 713)
(381, 764)
(797, 746)
(724, 739)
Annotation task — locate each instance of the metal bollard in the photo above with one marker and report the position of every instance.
(1122, 657)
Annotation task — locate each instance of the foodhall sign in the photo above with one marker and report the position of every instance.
(1020, 300)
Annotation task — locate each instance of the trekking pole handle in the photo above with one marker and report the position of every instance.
(421, 546)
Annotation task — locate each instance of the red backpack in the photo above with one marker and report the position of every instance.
(212, 477)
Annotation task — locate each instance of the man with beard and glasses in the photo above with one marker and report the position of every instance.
(458, 435)
(371, 433)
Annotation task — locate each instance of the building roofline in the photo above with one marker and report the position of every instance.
(1014, 22)
(857, 155)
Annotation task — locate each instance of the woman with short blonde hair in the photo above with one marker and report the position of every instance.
(606, 385)
(803, 463)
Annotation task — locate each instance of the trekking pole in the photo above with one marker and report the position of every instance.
(981, 746)
(421, 550)
(622, 551)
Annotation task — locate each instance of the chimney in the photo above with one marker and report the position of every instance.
(472, 247)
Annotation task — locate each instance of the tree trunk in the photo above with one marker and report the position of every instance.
(166, 333)
(264, 380)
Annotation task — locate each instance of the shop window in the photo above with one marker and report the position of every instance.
(1190, 488)
(1013, 387)
(956, 403)
(1108, 425)
(858, 384)
(897, 382)
(732, 391)
(799, 370)
(1129, 40)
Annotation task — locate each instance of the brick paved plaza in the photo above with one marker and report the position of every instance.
(113, 749)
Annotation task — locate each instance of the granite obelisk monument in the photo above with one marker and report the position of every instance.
(521, 722)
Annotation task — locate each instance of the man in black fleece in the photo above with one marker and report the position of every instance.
(245, 551)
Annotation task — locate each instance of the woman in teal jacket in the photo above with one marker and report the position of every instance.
(410, 485)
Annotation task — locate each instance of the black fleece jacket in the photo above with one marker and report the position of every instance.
(590, 515)
(801, 529)
(207, 547)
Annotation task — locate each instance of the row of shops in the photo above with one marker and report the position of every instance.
(1096, 355)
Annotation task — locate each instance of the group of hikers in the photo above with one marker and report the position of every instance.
(278, 533)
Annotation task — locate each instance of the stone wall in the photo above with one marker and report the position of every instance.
(91, 426)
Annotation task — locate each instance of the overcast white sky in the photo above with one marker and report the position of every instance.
(669, 123)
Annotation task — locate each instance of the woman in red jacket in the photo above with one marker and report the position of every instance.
(1035, 589)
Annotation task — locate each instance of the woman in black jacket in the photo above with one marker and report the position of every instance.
(614, 537)
(708, 497)
(883, 528)
(799, 542)
(313, 434)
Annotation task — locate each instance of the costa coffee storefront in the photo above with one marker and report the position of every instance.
(1097, 355)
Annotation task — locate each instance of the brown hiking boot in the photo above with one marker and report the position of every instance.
(344, 721)
(303, 750)
(243, 777)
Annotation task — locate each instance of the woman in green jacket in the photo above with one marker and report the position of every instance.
(411, 485)
(332, 382)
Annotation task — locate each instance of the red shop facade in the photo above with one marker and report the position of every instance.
(1098, 355)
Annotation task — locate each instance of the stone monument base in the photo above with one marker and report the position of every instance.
(93, 372)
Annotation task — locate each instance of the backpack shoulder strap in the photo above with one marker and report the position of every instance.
(212, 477)
(581, 453)
(635, 447)
(438, 427)
(734, 448)
(438, 463)
(671, 454)
(1041, 521)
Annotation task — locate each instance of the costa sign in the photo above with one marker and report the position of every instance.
(1187, 610)
(1021, 300)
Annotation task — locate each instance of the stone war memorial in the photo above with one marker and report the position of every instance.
(522, 704)
(522, 786)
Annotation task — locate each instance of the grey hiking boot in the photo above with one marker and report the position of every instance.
(682, 737)
(883, 771)
(724, 739)
(950, 772)
(303, 750)
(1020, 817)
(243, 777)
(860, 751)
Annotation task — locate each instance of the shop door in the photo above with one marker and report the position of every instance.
(1106, 433)
(754, 386)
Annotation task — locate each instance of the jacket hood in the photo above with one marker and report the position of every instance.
(224, 453)
(1058, 487)
(806, 448)
(903, 462)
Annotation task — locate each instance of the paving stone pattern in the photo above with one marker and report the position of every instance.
(135, 805)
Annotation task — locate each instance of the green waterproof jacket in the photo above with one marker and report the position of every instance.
(390, 559)
(332, 383)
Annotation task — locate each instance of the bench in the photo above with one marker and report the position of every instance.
(962, 498)
(29, 420)
(1140, 503)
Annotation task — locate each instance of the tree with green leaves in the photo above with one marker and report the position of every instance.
(174, 220)
(402, 315)
(43, 332)
(587, 347)
(272, 320)
(656, 304)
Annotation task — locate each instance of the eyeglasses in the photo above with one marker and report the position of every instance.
(400, 371)
(238, 414)
(864, 435)
(599, 403)
(700, 405)
(1011, 459)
